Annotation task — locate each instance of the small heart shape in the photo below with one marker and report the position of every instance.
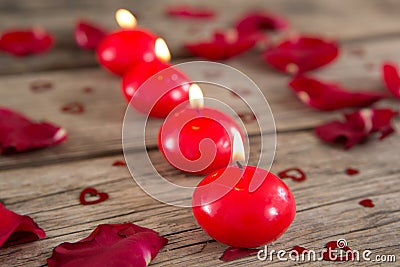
(367, 203)
(101, 196)
(351, 171)
(296, 174)
(73, 108)
(333, 247)
(41, 86)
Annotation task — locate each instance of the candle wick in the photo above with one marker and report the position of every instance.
(239, 165)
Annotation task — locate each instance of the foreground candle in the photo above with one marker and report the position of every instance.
(241, 217)
(197, 139)
(130, 46)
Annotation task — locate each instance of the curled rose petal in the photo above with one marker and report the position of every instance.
(330, 96)
(18, 133)
(190, 12)
(96, 197)
(88, 35)
(22, 42)
(110, 245)
(256, 21)
(357, 127)
(17, 229)
(300, 54)
(232, 253)
(223, 45)
(391, 77)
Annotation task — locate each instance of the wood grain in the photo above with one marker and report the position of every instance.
(50, 195)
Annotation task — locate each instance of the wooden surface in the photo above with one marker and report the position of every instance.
(46, 184)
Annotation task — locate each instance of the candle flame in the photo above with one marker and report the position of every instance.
(196, 98)
(162, 51)
(238, 148)
(125, 19)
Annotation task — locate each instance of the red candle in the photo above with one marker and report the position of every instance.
(129, 46)
(197, 139)
(161, 95)
(243, 206)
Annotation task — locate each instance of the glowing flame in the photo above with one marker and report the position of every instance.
(162, 51)
(238, 149)
(125, 19)
(196, 96)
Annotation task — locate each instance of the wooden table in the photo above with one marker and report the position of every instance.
(46, 184)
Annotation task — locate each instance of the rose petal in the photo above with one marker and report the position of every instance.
(255, 22)
(232, 253)
(18, 133)
(100, 196)
(17, 229)
(367, 203)
(330, 96)
(190, 12)
(22, 42)
(88, 35)
(110, 245)
(224, 45)
(391, 77)
(301, 54)
(357, 127)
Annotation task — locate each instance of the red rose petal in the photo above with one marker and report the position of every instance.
(110, 245)
(224, 45)
(17, 229)
(99, 196)
(190, 12)
(296, 174)
(391, 77)
(357, 127)
(88, 35)
(367, 203)
(331, 254)
(18, 133)
(232, 253)
(255, 22)
(119, 163)
(351, 171)
(301, 54)
(73, 108)
(22, 42)
(330, 96)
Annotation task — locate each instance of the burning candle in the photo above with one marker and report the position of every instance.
(129, 46)
(256, 209)
(197, 139)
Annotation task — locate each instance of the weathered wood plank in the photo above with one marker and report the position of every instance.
(327, 203)
(97, 131)
(335, 20)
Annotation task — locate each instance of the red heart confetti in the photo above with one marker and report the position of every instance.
(357, 127)
(73, 108)
(223, 45)
(351, 171)
(110, 245)
(18, 133)
(119, 163)
(232, 253)
(367, 203)
(391, 77)
(190, 12)
(23, 42)
(100, 196)
(296, 174)
(333, 247)
(329, 96)
(301, 54)
(88, 35)
(39, 86)
(17, 229)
